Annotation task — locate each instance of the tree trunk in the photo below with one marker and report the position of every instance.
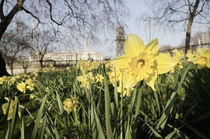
(11, 68)
(3, 70)
(189, 26)
(41, 63)
(188, 36)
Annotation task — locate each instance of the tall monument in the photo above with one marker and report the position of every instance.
(120, 41)
(85, 52)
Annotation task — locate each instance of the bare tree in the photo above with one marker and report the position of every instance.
(182, 11)
(80, 15)
(13, 45)
(42, 44)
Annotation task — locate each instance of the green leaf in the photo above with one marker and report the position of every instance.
(14, 117)
(22, 129)
(100, 130)
(170, 103)
(60, 104)
(164, 117)
(38, 118)
(138, 103)
(128, 132)
(107, 110)
(115, 91)
(154, 131)
(170, 135)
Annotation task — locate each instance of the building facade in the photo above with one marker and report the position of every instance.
(68, 56)
(204, 39)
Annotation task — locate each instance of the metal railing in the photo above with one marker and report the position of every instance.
(193, 47)
(46, 63)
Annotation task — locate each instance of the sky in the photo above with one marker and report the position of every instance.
(137, 8)
(135, 24)
(167, 36)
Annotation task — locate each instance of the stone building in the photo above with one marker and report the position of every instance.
(67, 56)
(204, 39)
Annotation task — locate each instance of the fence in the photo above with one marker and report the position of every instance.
(28, 66)
(192, 47)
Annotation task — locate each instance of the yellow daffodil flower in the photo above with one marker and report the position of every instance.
(86, 66)
(70, 104)
(99, 78)
(178, 56)
(21, 87)
(142, 62)
(86, 79)
(191, 56)
(47, 90)
(113, 75)
(31, 88)
(203, 58)
(28, 81)
(3, 79)
(29, 84)
(67, 68)
(12, 80)
(32, 96)
(11, 108)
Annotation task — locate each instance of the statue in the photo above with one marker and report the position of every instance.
(85, 52)
(86, 48)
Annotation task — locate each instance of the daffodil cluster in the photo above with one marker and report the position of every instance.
(201, 57)
(28, 84)
(178, 57)
(86, 66)
(86, 79)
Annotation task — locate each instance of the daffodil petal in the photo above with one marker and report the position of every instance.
(151, 81)
(129, 81)
(152, 46)
(133, 45)
(120, 62)
(165, 63)
(199, 50)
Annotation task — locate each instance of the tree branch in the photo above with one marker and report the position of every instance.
(177, 21)
(201, 10)
(7, 20)
(1, 10)
(72, 11)
(30, 13)
(78, 18)
(48, 2)
(189, 6)
(177, 11)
